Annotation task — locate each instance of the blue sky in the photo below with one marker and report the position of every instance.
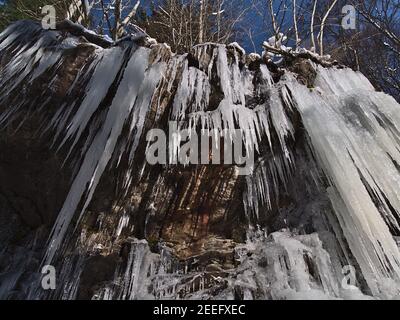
(250, 21)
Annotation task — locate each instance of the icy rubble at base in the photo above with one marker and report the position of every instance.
(353, 131)
(279, 266)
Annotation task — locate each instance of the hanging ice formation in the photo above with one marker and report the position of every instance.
(337, 137)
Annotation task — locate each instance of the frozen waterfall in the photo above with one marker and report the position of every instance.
(348, 154)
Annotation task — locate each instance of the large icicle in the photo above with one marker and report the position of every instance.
(106, 67)
(136, 81)
(347, 122)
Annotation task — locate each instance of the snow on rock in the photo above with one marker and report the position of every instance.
(237, 47)
(254, 56)
(276, 41)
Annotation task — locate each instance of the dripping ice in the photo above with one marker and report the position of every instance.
(353, 131)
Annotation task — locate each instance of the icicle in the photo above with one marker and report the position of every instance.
(353, 149)
(194, 91)
(280, 121)
(123, 223)
(107, 65)
(98, 154)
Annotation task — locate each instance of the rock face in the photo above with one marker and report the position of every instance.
(79, 193)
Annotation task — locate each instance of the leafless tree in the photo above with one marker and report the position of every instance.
(185, 23)
(286, 16)
(115, 15)
(322, 27)
(384, 16)
(313, 48)
(374, 47)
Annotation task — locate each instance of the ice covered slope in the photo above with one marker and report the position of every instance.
(328, 127)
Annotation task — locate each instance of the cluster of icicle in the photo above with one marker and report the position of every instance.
(276, 266)
(353, 130)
